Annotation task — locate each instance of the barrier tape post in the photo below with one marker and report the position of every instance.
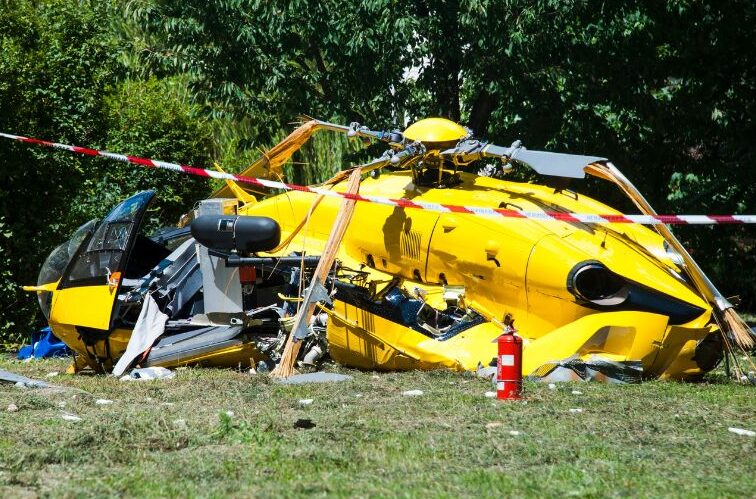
(405, 203)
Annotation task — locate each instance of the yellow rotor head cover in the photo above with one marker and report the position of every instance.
(435, 131)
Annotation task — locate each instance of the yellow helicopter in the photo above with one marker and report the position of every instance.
(411, 288)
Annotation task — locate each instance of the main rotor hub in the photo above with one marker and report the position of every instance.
(436, 133)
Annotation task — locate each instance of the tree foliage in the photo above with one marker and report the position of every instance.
(54, 69)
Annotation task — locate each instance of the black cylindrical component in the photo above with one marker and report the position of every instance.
(286, 261)
(245, 234)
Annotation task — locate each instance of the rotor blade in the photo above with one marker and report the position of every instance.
(553, 163)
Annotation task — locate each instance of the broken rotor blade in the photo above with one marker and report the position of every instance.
(545, 163)
(554, 163)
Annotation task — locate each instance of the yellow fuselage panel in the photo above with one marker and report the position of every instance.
(361, 339)
(87, 306)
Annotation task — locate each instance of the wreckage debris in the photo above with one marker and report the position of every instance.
(412, 393)
(22, 381)
(742, 432)
(149, 374)
(304, 424)
(224, 290)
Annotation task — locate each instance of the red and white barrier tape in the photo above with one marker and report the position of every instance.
(406, 203)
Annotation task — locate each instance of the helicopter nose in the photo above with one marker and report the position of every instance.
(607, 277)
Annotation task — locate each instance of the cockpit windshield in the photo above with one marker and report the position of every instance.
(58, 260)
(105, 251)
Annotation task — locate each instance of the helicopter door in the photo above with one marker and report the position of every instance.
(488, 256)
(394, 242)
(89, 286)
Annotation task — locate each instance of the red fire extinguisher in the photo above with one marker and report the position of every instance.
(509, 363)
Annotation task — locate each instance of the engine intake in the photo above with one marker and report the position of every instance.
(595, 283)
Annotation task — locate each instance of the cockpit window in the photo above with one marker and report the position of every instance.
(58, 260)
(104, 254)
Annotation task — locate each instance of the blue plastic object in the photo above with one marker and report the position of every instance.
(44, 344)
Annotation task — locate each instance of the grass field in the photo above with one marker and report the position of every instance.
(175, 438)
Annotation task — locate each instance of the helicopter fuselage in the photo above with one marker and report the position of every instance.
(590, 289)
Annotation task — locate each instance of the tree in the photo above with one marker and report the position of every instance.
(55, 66)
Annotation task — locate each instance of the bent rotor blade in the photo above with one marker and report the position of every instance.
(553, 163)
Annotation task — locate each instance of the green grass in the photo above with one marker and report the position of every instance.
(650, 440)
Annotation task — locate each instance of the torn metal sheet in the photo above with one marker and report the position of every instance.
(595, 368)
(10, 377)
(26, 382)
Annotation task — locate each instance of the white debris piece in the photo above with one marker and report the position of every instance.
(358, 395)
(52, 374)
(230, 414)
(490, 394)
(577, 392)
(305, 401)
(12, 408)
(103, 402)
(514, 433)
(494, 424)
(743, 432)
(149, 373)
(552, 386)
(575, 411)
(70, 417)
(412, 393)
(375, 376)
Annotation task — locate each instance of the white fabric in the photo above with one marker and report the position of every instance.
(148, 374)
(149, 327)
